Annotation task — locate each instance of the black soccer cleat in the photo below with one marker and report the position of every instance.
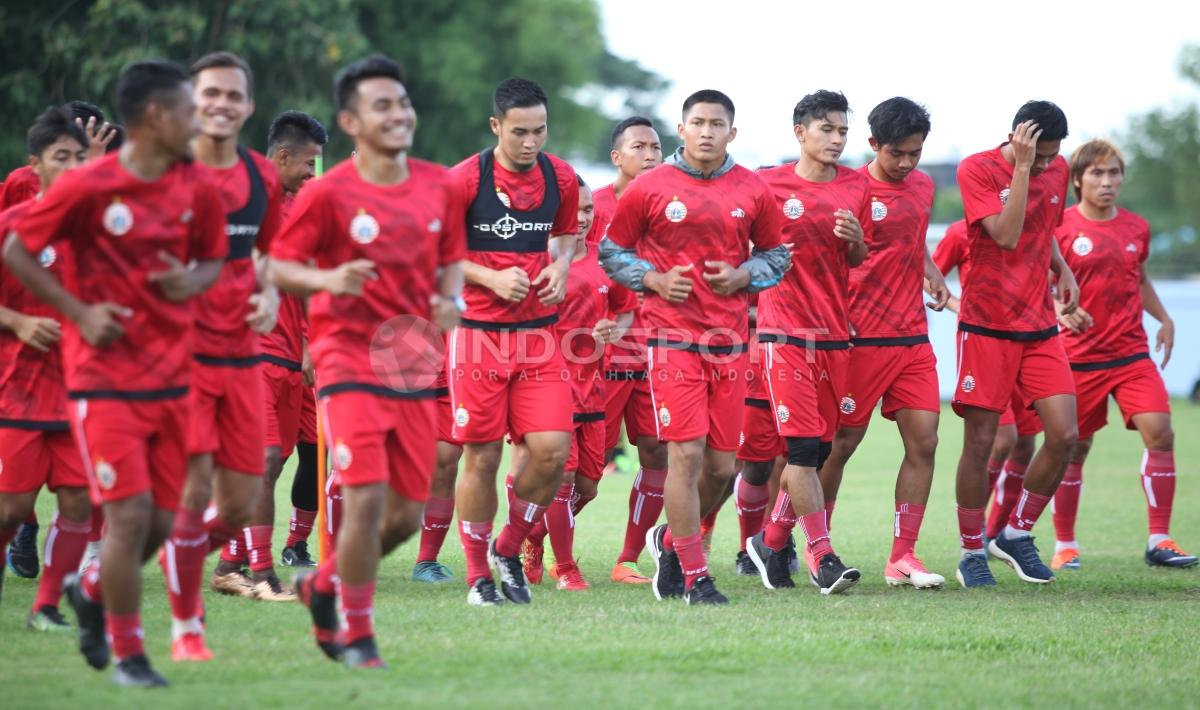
(135, 672)
(484, 593)
(93, 641)
(511, 573)
(744, 566)
(833, 577)
(23, 552)
(668, 574)
(362, 654)
(297, 556)
(323, 609)
(704, 591)
(771, 565)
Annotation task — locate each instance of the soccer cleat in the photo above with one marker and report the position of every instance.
(235, 584)
(297, 556)
(668, 574)
(48, 618)
(570, 578)
(93, 641)
(908, 570)
(432, 572)
(511, 573)
(704, 591)
(770, 565)
(973, 571)
(23, 552)
(91, 554)
(1022, 555)
(269, 589)
(1168, 554)
(793, 560)
(628, 573)
(833, 577)
(135, 672)
(744, 566)
(1066, 558)
(484, 593)
(531, 554)
(323, 609)
(362, 653)
(190, 647)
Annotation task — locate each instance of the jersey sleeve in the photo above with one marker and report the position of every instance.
(566, 220)
(301, 237)
(767, 230)
(949, 253)
(273, 218)
(629, 220)
(980, 196)
(59, 215)
(208, 242)
(452, 246)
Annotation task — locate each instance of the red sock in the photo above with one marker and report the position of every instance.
(1158, 481)
(97, 531)
(89, 583)
(325, 581)
(970, 528)
(357, 609)
(258, 538)
(475, 539)
(906, 530)
(708, 522)
(522, 515)
(219, 533)
(183, 563)
(234, 551)
(783, 519)
(125, 635)
(1066, 503)
(1029, 508)
(645, 505)
(580, 501)
(434, 525)
(1008, 491)
(994, 466)
(829, 504)
(537, 534)
(64, 549)
(751, 504)
(691, 557)
(301, 526)
(560, 523)
(816, 531)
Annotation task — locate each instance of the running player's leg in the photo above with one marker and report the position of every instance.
(68, 534)
(304, 488)
(646, 493)
(438, 515)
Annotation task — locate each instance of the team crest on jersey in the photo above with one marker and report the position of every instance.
(435, 226)
(342, 455)
(1082, 245)
(364, 229)
(793, 208)
(878, 211)
(1004, 196)
(676, 211)
(664, 416)
(783, 413)
(1131, 247)
(848, 405)
(118, 218)
(1054, 199)
(968, 384)
(47, 257)
(504, 199)
(106, 475)
(461, 416)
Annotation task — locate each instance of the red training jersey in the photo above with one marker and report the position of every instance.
(1009, 290)
(952, 251)
(811, 300)
(886, 290)
(1106, 258)
(115, 225)
(672, 219)
(628, 353)
(604, 205)
(21, 184)
(286, 342)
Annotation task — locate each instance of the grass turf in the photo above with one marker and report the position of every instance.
(1115, 633)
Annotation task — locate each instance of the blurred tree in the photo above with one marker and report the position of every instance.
(947, 206)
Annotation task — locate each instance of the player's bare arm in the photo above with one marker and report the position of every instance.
(37, 333)
(1164, 341)
(1067, 289)
(511, 284)
(343, 280)
(848, 229)
(447, 304)
(1005, 228)
(554, 276)
(266, 301)
(672, 286)
(935, 285)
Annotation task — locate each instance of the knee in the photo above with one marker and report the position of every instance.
(401, 525)
(845, 443)
(652, 453)
(690, 458)
(550, 456)
(74, 504)
(236, 512)
(1081, 450)
(273, 464)
(923, 445)
(756, 473)
(1062, 440)
(1161, 439)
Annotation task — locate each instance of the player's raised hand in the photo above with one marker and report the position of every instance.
(100, 325)
(1024, 143)
(445, 313)
(38, 333)
(511, 284)
(555, 278)
(348, 278)
(673, 286)
(266, 311)
(172, 281)
(99, 136)
(724, 279)
(937, 288)
(847, 227)
(1165, 341)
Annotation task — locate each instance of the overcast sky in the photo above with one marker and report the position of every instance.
(971, 64)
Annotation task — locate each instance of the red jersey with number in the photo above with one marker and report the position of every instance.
(1106, 258)
(523, 191)
(675, 219)
(286, 342)
(886, 290)
(21, 184)
(604, 205)
(1009, 290)
(952, 251)
(811, 302)
(31, 381)
(115, 225)
(381, 338)
(221, 311)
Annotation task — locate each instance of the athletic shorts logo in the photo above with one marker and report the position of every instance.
(739, 213)
(1004, 196)
(118, 218)
(783, 413)
(364, 229)
(342, 455)
(676, 211)
(968, 384)
(793, 208)
(47, 257)
(106, 475)
(461, 416)
(435, 226)
(185, 217)
(1082, 245)
(1131, 248)
(1054, 199)
(878, 211)
(664, 416)
(504, 199)
(848, 405)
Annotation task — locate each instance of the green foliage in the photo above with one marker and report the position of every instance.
(947, 206)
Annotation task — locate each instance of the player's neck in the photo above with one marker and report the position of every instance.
(620, 184)
(815, 171)
(220, 153)
(380, 168)
(143, 160)
(1097, 213)
(878, 173)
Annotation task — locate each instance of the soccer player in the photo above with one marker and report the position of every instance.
(144, 233)
(891, 359)
(36, 448)
(505, 377)
(804, 329)
(1106, 247)
(681, 237)
(386, 233)
(1013, 198)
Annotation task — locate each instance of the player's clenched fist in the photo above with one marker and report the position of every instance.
(511, 284)
(724, 279)
(672, 286)
(348, 278)
(99, 324)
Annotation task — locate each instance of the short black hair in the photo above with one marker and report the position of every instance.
(84, 111)
(143, 82)
(223, 60)
(579, 179)
(517, 93)
(628, 123)
(896, 119)
(709, 96)
(1049, 117)
(376, 66)
(818, 105)
(52, 124)
(118, 137)
(295, 129)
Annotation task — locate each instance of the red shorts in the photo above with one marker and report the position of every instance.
(507, 383)
(228, 417)
(989, 368)
(1137, 387)
(1021, 415)
(803, 386)
(374, 439)
(445, 419)
(133, 447)
(694, 396)
(627, 400)
(30, 459)
(903, 376)
(308, 417)
(284, 390)
(587, 449)
(760, 440)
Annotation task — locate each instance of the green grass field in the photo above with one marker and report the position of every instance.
(1115, 633)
